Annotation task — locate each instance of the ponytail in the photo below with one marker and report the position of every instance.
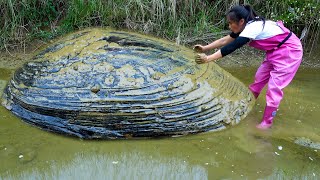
(252, 16)
(245, 12)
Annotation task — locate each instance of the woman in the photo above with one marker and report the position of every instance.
(283, 54)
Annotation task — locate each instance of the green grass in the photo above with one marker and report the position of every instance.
(297, 16)
(22, 21)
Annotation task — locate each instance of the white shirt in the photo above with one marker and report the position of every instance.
(254, 30)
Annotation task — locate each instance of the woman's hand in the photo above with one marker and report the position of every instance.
(199, 48)
(201, 58)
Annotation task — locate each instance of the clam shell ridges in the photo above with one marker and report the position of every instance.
(101, 83)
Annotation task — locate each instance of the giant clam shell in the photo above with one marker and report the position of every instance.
(102, 83)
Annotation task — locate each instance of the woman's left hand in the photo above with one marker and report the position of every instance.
(201, 58)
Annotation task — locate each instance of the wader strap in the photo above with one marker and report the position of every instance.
(285, 39)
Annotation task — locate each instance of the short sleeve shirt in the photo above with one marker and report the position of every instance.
(255, 30)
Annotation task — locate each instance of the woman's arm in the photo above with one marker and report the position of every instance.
(219, 43)
(229, 48)
(215, 44)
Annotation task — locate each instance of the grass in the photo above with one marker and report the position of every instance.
(183, 21)
(299, 16)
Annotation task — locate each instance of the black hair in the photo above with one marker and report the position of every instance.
(236, 13)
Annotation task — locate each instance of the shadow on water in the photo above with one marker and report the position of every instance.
(240, 152)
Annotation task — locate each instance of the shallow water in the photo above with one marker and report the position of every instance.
(239, 152)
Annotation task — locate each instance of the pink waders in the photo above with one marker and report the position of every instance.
(277, 69)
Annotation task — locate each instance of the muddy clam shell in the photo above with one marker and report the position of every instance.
(102, 83)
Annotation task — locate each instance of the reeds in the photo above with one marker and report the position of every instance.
(183, 21)
(302, 17)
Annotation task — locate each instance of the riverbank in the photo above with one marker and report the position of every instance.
(244, 57)
(185, 21)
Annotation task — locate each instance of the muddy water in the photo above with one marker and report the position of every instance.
(240, 152)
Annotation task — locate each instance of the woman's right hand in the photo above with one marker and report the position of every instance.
(199, 48)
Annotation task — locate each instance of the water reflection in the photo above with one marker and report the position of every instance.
(283, 174)
(111, 166)
(229, 154)
(240, 152)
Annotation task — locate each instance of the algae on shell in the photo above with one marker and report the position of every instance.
(102, 83)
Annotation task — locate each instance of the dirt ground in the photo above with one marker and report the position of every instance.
(244, 57)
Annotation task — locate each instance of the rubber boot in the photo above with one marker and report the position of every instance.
(268, 115)
(255, 94)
